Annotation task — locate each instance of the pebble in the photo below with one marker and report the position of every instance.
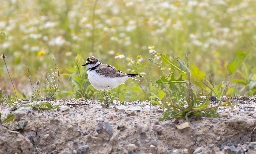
(158, 128)
(100, 119)
(82, 149)
(231, 150)
(152, 149)
(65, 152)
(155, 143)
(215, 120)
(166, 123)
(183, 125)
(114, 138)
(64, 108)
(21, 125)
(132, 147)
(121, 127)
(142, 129)
(169, 151)
(224, 114)
(218, 138)
(198, 139)
(211, 145)
(252, 145)
(21, 112)
(198, 150)
(108, 128)
(99, 128)
(130, 113)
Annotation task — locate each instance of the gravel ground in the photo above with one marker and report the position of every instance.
(83, 126)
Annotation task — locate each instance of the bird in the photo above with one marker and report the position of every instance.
(104, 76)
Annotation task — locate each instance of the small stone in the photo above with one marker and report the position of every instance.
(166, 123)
(224, 114)
(65, 152)
(114, 138)
(152, 149)
(108, 128)
(154, 143)
(198, 139)
(231, 150)
(82, 149)
(198, 150)
(183, 125)
(100, 119)
(213, 99)
(64, 108)
(211, 145)
(254, 115)
(21, 112)
(218, 138)
(130, 113)
(130, 152)
(54, 152)
(159, 110)
(111, 116)
(121, 127)
(21, 125)
(142, 129)
(252, 145)
(215, 120)
(99, 128)
(175, 151)
(158, 128)
(132, 147)
(121, 111)
(169, 151)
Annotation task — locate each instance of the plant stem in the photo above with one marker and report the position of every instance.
(93, 25)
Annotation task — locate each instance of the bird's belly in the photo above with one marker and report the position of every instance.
(100, 82)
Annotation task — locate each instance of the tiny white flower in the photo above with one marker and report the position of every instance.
(119, 56)
(111, 52)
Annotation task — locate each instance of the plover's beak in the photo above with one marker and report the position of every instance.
(85, 63)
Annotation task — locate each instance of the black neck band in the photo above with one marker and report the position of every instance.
(94, 68)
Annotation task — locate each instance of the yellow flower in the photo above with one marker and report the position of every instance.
(158, 54)
(151, 47)
(40, 53)
(177, 4)
(139, 57)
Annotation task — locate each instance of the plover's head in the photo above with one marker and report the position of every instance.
(91, 62)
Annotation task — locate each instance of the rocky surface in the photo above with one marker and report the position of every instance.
(83, 126)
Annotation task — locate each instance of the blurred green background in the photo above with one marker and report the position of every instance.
(41, 35)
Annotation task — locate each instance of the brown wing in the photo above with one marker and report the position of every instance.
(109, 71)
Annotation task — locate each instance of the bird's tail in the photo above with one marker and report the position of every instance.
(133, 75)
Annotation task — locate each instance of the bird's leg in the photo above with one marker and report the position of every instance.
(106, 99)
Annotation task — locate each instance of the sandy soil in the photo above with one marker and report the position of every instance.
(83, 126)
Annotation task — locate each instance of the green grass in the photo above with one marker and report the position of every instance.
(47, 37)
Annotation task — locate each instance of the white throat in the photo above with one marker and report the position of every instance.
(90, 66)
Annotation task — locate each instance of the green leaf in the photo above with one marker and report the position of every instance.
(165, 59)
(161, 94)
(231, 91)
(237, 61)
(183, 65)
(71, 70)
(240, 81)
(197, 74)
(136, 89)
(10, 117)
(202, 106)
